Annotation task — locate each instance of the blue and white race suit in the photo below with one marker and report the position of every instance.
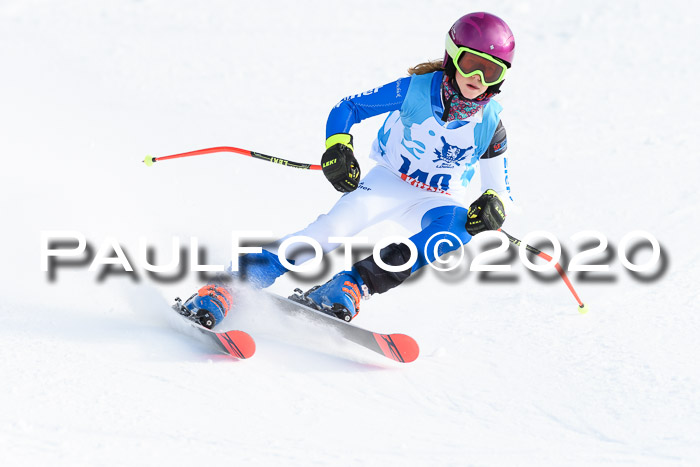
(423, 167)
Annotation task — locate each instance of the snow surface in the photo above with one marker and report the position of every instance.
(601, 112)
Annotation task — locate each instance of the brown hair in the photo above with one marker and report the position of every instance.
(426, 67)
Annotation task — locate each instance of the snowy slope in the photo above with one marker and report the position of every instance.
(600, 111)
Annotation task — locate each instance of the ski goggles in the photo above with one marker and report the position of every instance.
(470, 62)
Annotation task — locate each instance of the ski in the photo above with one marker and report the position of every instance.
(238, 344)
(398, 347)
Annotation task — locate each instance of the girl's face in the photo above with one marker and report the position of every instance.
(470, 87)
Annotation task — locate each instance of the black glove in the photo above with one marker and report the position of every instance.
(339, 164)
(486, 213)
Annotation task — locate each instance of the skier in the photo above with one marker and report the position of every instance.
(442, 122)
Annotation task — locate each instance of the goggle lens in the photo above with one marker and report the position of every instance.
(469, 63)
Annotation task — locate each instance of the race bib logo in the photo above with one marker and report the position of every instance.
(450, 156)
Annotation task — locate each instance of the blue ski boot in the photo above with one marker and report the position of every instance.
(258, 269)
(207, 307)
(339, 297)
(212, 302)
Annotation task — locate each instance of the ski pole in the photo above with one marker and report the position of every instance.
(150, 160)
(581, 307)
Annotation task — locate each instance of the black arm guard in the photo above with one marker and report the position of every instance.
(498, 144)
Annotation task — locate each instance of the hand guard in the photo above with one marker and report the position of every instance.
(486, 213)
(339, 164)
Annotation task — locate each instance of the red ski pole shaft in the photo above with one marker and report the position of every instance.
(150, 160)
(582, 308)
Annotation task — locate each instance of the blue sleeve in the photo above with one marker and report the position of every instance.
(354, 109)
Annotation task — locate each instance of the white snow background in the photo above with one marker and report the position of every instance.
(601, 112)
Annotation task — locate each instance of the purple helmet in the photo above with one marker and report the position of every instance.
(484, 32)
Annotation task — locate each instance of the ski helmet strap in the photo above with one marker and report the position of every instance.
(448, 104)
(455, 87)
(450, 69)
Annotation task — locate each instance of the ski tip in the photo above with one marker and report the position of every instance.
(399, 347)
(408, 347)
(238, 343)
